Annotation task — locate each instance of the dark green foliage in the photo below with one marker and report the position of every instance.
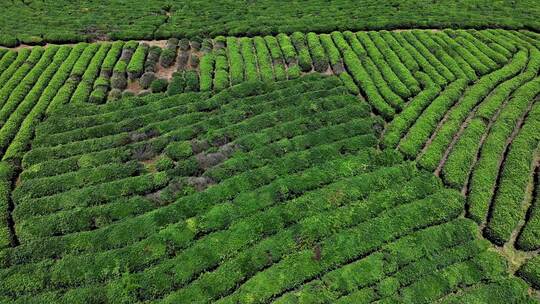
(192, 81)
(300, 44)
(159, 85)
(176, 85)
(152, 59)
(157, 20)
(114, 94)
(146, 79)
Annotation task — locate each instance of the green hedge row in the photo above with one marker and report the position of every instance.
(256, 157)
(484, 175)
(529, 237)
(422, 62)
(320, 62)
(277, 58)
(7, 59)
(12, 126)
(289, 52)
(467, 69)
(85, 87)
(425, 251)
(461, 158)
(236, 63)
(389, 75)
(136, 64)
(237, 230)
(470, 58)
(74, 238)
(14, 81)
(100, 129)
(347, 245)
(264, 60)
(425, 125)
(300, 44)
(70, 85)
(474, 96)
(485, 267)
(400, 50)
(362, 78)
(251, 72)
(112, 57)
(206, 72)
(26, 78)
(42, 187)
(21, 57)
(429, 56)
(496, 42)
(281, 243)
(22, 139)
(514, 180)
(393, 60)
(7, 172)
(484, 48)
(132, 119)
(474, 48)
(398, 127)
(333, 53)
(463, 155)
(387, 90)
(459, 70)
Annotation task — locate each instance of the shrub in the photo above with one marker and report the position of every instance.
(144, 93)
(135, 67)
(287, 48)
(115, 94)
(128, 93)
(159, 85)
(119, 81)
(146, 79)
(167, 58)
(8, 41)
(277, 58)
(194, 61)
(236, 68)
(207, 45)
(164, 163)
(250, 61)
(98, 95)
(219, 42)
(206, 72)
(177, 84)
(112, 57)
(304, 59)
(183, 45)
(152, 59)
(192, 81)
(179, 150)
(515, 177)
(263, 59)
(320, 62)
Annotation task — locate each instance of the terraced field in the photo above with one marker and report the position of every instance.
(304, 168)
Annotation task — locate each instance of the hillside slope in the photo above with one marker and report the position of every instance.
(260, 193)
